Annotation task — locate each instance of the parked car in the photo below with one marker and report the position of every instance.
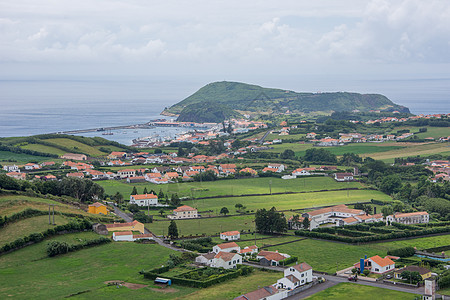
(388, 276)
(352, 278)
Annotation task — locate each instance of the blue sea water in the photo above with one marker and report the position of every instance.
(29, 107)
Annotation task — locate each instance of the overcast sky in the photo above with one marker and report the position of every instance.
(68, 38)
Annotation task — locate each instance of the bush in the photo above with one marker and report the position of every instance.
(402, 252)
(288, 260)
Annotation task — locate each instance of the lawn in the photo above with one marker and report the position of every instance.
(347, 290)
(88, 150)
(326, 256)
(434, 132)
(28, 273)
(44, 149)
(230, 187)
(10, 157)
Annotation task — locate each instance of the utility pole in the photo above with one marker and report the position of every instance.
(49, 219)
(270, 186)
(54, 214)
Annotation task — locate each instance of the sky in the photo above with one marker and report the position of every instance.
(103, 38)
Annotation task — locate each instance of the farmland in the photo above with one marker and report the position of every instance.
(412, 150)
(44, 149)
(232, 186)
(6, 156)
(88, 150)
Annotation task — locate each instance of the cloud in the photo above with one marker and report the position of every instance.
(236, 34)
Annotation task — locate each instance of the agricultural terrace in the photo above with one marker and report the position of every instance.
(71, 144)
(231, 187)
(347, 290)
(20, 157)
(44, 149)
(326, 256)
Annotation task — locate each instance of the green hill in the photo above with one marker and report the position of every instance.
(241, 97)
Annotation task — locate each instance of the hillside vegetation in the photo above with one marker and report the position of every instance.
(243, 97)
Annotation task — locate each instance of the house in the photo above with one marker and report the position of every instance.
(328, 168)
(117, 155)
(270, 258)
(296, 225)
(12, 168)
(376, 264)
(144, 200)
(226, 247)
(343, 176)
(122, 236)
(125, 173)
(330, 215)
(131, 226)
(328, 142)
(31, 166)
(365, 218)
(249, 170)
(230, 235)
(295, 276)
(171, 175)
(267, 169)
(424, 272)
(75, 175)
(96, 174)
(280, 167)
(409, 218)
(159, 180)
(249, 250)
(128, 236)
(49, 177)
(227, 166)
(267, 293)
(184, 212)
(98, 209)
(226, 260)
(74, 156)
(47, 164)
(206, 259)
(17, 175)
(311, 135)
(160, 170)
(301, 172)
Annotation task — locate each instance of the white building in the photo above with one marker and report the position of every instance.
(280, 167)
(31, 166)
(127, 236)
(331, 214)
(206, 259)
(11, 168)
(249, 250)
(184, 212)
(230, 235)
(376, 264)
(226, 260)
(409, 218)
(144, 200)
(226, 247)
(125, 173)
(343, 176)
(295, 276)
(301, 172)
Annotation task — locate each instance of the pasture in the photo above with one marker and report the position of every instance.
(9, 158)
(71, 144)
(44, 149)
(412, 149)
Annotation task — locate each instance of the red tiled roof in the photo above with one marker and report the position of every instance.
(230, 233)
(227, 245)
(226, 256)
(382, 262)
(122, 233)
(97, 204)
(144, 196)
(184, 208)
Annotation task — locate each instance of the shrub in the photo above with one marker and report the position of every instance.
(402, 252)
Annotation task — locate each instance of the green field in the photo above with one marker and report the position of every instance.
(434, 132)
(230, 187)
(357, 148)
(326, 256)
(44, 149)
(27, 226)
(347, 290)
(71, 144)
(413, 149)
(289, 201)
(6, 156)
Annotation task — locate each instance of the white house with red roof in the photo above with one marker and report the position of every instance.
(184, 212)
(280, 167)
(230, 235)
(226, 260)
(31, 166)
(267, 293)
(249, 250)
(17, 175)
(376, 264)
(11, 168)
(128, 236)
(409, 218)
(331, 214)
(343, 176)
(295, 276)
(144, 200)
(226, 247)
(271, 258)
(125, 173)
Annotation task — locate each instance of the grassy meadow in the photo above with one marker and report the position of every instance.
(412, 149)
(230, 187)
(355, 291)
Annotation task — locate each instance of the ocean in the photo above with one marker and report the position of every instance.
(29, 107)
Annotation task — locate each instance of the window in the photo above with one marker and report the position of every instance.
(303, 274)
(229, 263)
(376, 270)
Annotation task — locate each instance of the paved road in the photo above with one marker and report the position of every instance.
(264, 137)
(127, 218)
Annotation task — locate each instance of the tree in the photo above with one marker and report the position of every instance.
(145, 190)
(366, 272)
(320, 155)
(306, 223)
(349, 159)
(161, 212)
(181, 152)
(134, 191)
(175, 200)
(270, 221)
(158, 151)
(391, 184)
(287, 154)
(224, 211)
(173, 230)
(387, 210)
(160, 194)
(134, 208)
(238, 206)
(118, 197)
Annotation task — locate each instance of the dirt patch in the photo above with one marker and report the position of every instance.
(132, 286)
